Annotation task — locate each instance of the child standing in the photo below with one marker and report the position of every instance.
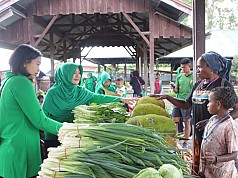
(121, 89)
(220, 138)
(158, 84)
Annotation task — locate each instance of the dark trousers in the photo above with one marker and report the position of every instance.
(51, 143)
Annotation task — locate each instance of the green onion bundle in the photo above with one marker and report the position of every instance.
(109, 150)
(103, 113)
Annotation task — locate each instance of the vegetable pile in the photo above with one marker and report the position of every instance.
(109, 150)
(103, 113)
(165, 171)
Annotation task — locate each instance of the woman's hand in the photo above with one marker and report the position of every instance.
(130, 101)
(210, 158)
(201, 125)
(158, 96)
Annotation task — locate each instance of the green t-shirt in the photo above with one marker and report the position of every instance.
(184, 84)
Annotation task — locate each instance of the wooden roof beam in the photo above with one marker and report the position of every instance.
(52, 21)
(136, 28)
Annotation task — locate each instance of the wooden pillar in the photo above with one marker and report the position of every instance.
(99, 67)
(125, 73)
(198, 32)
(139, 65)
(152, 45)
(137, 60)
(199, 49)
(79, 55)
(52, 53)
(74, 52)
(64, 51)
(145, 65)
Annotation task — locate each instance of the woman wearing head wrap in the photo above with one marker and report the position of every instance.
(66, 94)
(211, 69)
(105, 85)
(90, 82)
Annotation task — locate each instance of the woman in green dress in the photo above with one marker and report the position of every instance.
(66, 94)
(90, 82)
(21, 116)
(105, 85)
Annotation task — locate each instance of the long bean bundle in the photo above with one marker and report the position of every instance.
(112, 150)
(103, 113)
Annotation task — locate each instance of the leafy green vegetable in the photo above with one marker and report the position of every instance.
(170, 171)
(107, 150)
(103, 113)
(148, 173)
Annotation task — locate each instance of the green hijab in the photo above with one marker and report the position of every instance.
(89, 82)
(64, 96)
(103, 78)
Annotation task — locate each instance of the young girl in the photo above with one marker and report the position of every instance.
(219, 145)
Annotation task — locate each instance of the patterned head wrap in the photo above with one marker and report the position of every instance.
(216, 62)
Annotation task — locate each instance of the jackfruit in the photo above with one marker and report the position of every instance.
(143, 109)
(158, 123)
(152, 100)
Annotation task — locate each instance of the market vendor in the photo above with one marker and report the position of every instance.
(105, 85)
(212, 70)
(66, 94)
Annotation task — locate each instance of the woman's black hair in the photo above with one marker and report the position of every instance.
(225, 95)
(135, 73)
(23, 54)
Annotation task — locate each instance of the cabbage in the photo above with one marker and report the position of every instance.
(148, 173)
(170, 171)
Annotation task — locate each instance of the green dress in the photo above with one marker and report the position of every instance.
(90, 82)
(100, 88)
(21, 118)
(64, 96)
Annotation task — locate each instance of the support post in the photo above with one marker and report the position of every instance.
(145, 65)
(152, 46)
(199, 49)
(52, 52)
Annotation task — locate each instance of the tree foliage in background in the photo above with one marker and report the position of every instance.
(220, 14)
(234, 67)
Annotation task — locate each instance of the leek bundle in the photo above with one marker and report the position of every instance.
(108, 150)
(103, 113)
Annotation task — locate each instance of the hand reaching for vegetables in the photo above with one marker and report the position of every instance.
(158, 96)
(129, 100)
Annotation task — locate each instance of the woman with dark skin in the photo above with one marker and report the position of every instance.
(211, 69)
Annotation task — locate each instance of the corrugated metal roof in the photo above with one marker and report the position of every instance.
(173, 9)
(10, 15)
(223, 42)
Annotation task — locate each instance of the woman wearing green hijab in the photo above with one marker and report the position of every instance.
(90, 82)
(66, 94)
(105, 86)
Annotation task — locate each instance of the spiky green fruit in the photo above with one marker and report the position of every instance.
(143, 109)
(150, 100)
